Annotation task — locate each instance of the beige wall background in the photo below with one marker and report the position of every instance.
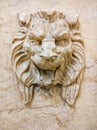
(13, 114)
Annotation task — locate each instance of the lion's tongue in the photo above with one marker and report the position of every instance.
(46, 76)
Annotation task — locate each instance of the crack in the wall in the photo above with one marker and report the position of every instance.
(31, 108)
(92, 65)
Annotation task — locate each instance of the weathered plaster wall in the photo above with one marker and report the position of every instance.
(14, 115)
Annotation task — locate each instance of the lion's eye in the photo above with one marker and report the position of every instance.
(62, 42)
(34, 42)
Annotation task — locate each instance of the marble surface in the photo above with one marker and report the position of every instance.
(16, 116)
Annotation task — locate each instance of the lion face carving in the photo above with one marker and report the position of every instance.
(48, 52)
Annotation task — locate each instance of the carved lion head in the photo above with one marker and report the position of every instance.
(48, 51)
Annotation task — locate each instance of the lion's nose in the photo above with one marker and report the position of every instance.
(49, 56)
(48, 47)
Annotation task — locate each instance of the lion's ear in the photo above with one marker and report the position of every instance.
(72, 18)
(24, 19)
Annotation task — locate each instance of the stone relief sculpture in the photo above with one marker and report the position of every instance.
(48, 53)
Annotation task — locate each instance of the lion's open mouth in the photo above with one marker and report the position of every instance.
(47, 77)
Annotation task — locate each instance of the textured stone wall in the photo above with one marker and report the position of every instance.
(39, 116)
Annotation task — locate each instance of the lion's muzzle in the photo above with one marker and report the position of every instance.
(48, 46)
